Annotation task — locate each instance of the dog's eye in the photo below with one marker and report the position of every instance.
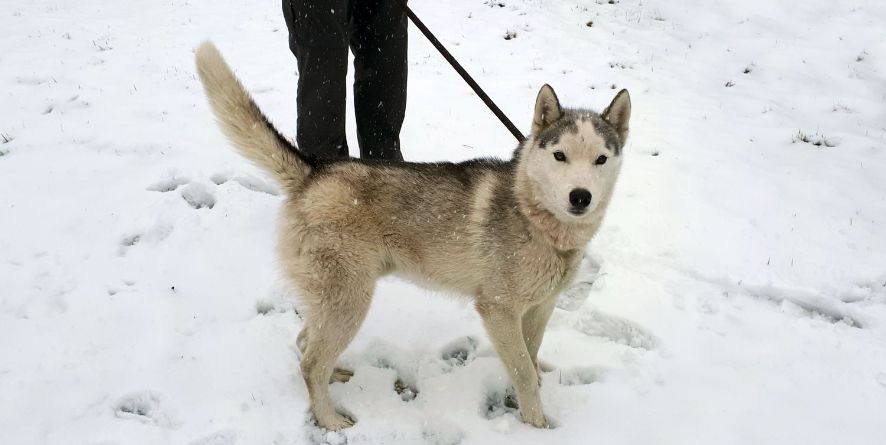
(558, 155)
(601, 160)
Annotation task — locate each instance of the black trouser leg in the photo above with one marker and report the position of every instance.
(378, 40)
(321, 101)
(318, 38)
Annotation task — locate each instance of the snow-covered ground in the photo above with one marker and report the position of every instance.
(741, 292)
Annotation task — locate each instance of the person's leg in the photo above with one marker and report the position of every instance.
(318, 31)
(379, 43)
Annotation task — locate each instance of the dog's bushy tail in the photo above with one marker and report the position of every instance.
(244, 124)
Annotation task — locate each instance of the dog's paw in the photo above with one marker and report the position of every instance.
(538, 421)
(335, 421)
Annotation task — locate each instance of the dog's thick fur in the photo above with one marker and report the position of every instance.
(506, 233)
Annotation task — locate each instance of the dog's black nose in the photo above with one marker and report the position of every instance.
(580, 199)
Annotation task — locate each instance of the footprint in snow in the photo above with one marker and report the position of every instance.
(617, 329)
(252, 183)
(145, 407)
(195, 194)
(168, 184)
(873, 291)
(72, 103)
(127, 242)
(274, 305)
(440, 432)
(499, 402)
(460, 352)
(114, 290)
(198, 196)
(153, 235)
(826, 312)
(405, 387)
(801, 303)
(408, 392)
(32, 80)
(224, 437)
(575, 296)
(580, 376)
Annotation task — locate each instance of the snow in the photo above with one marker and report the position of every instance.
(736, 294)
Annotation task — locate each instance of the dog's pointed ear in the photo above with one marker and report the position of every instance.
(618, 113)
(547, 109)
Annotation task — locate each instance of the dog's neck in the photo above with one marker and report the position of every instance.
(560, 235)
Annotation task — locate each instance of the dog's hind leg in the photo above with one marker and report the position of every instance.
(503, 323)
(337, 292)
(333, 325)
(339, 375)
(534, 322)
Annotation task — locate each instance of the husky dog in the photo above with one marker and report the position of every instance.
(509, 234)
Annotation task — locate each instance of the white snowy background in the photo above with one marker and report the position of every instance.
(741, 290)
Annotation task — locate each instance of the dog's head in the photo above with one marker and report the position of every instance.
(573, 156)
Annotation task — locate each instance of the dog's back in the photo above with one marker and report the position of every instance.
(436, 224)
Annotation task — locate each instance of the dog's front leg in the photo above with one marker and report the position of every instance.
(503, 323)
(534, 322)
